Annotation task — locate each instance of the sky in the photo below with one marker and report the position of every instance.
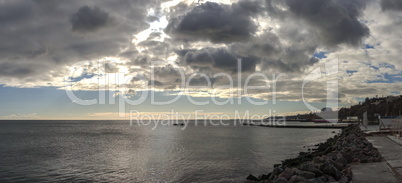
(124, 59)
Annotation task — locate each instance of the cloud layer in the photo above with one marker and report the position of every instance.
(215, 22)
(40, 39)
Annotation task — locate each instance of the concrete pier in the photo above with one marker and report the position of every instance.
(307, 125)
(387, 171)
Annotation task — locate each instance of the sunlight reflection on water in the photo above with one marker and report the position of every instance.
(113, 151)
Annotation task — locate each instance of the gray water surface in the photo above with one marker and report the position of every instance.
(114, 151)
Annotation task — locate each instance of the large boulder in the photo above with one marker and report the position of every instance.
(311, 168)
(329, 169)
(281, 180)
(287, 173)
(252, 177)
(306, 174)
(296, 179)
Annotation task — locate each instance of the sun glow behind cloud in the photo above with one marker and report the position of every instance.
(198, 37)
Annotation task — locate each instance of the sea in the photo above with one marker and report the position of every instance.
(120, 151)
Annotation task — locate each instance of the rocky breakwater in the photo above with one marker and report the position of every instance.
(329, 162)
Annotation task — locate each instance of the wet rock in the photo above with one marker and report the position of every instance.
(296, 178)
(336, 164)
(287, 173)
(306, 174)
(348, 157)
(323, 178)
(328, 150)
(342, 161)
(343, 179)
(277, 171)
(329, 169)
(328, 162)
(348, 172)
(339, 155)
(263, 177)
(315, 180)
(329, 178)
(311, 168)
(281, 180)
(378, 159)
(277, 165)
(252, 177)
(318, 160)
(272, 177)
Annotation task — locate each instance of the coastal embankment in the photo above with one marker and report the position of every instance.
(328, 162)
(297, 124)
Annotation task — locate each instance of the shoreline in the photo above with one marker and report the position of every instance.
(330, 161)
(303, 125)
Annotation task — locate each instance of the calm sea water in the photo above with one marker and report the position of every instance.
(114, 151)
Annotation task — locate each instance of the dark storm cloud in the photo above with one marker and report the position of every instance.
(43, 32)
(21, 70)
(14, 11)
(215, 22)
(277, 56)
(391, 5)
(164, 77)
(265, 45)
(219, 59)
(324, 23)
(183, 52)
(166, 72)
(89, 19)
(283, 65)
(337, 21)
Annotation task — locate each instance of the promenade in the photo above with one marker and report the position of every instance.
(387, 171)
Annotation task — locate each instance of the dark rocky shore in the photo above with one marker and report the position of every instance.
(329, 162)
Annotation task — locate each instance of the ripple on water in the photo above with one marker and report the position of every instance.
(116, 152)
